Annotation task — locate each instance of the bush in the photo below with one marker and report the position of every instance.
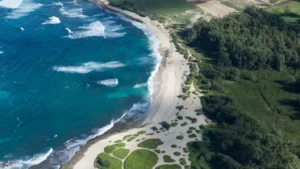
(177, 153)
(173, 145)
(168, 159)
(179, 107)
(179, 137)
(184, 124)
(182, 161)
(151, 143)
(174, 124)
(141, 159)
(165, 125)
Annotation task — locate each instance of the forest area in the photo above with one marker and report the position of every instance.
(250, 75)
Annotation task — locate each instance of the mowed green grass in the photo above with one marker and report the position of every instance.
(151, 143)
(141, 159)
(294, 9)
(121, 153)
(267, 100)
(110, 162)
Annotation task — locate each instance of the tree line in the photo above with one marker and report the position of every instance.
(253, 39)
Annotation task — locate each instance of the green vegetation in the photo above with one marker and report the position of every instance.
(174, 124)
(182, 161)
(141, 132)
(235, 41)
(179, 117)
(168, 166)
(157, 151)
(165, 125)
(120, 145)
(179, 137)
(141, 159)
(168, 159)
(157, 9)
(250, 72)
(109, 149)
(127, 136)
(192, 136)
(179, 108)
(121, 153)
(173, 145)
(151, 143)
(177, 153)
(184, 124)
(289, 11)
(232, 5)
(105, 161)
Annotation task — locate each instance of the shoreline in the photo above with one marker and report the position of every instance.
(169, 78)
(120, 127)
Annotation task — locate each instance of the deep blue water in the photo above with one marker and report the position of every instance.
(63, 83)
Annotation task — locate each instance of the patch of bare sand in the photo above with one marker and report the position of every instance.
(215, 8)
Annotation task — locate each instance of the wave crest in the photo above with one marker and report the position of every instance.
(72, 13)
(10, 3)
(89, 67)
(26, 163)
(23, 10)
(140, 85)
(109, 82)
(52, 20)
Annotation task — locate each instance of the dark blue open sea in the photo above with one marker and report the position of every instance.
(68, 71)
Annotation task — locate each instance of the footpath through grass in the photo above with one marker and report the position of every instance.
(141, 159)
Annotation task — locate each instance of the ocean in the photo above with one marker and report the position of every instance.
(68, 71)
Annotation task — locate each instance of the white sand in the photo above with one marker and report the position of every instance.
(170, 78)
(215, 8)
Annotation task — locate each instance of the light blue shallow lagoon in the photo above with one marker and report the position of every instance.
(68, 71)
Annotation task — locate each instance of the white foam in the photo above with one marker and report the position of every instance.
(72, 13)
(10, 3)
(109, 82)
(23, 10)
(140, 85)
(26, 163)
(52, 20)
(21, 28)
(155, 42)
(89, 67)
(94, 29)
(1, 52)
(58, 3)
(69, 30)
(136, 112)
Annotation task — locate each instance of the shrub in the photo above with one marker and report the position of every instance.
(174, 124)
(157, 151)
(173, 145)
(182, 161)
(179, 117)
(154, 128)
(141, 132)
(177, 153)
(179, 107)
(127, 136)
(179, 137)
(152, 143)
(168, 159)
(165, 125)
(192, 136)
(184, 124)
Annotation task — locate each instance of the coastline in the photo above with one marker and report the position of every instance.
(167, 80)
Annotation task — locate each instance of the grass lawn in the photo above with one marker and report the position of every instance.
(294, 8)
(106, 161)
(169, 166)
(141, 159)
(121, 153)
(109, 149)
(152, 143)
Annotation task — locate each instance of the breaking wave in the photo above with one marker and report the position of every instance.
(23, 10)
(72, 13)
(1, 52)
(109, 82)
(69, 30)
(89, 67)
(26, 163)
(140, 85)
(10, 3)
(52, 20)
(92, 30)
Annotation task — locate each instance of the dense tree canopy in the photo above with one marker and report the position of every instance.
(254, 39)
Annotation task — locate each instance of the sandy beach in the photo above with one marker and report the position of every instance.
(168, 83)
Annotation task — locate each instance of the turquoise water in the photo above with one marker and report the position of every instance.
(68, 71)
